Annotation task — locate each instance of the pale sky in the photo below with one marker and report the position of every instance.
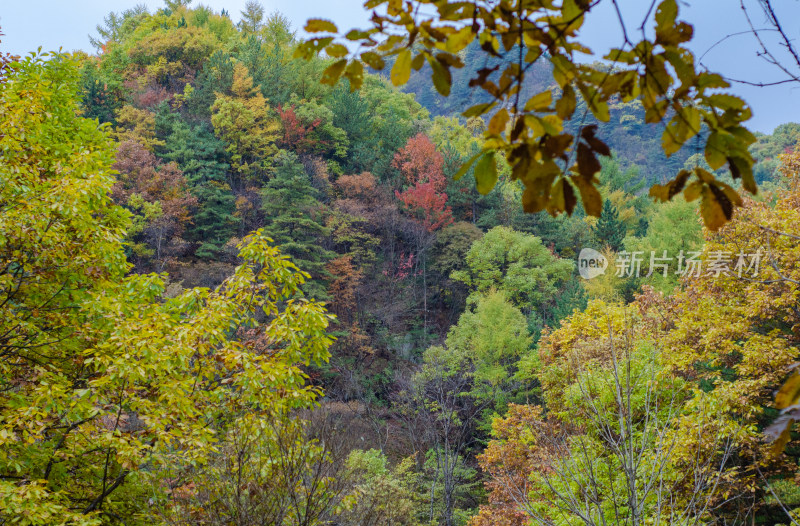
(51, 24)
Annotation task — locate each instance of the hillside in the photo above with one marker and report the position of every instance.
(248, 297)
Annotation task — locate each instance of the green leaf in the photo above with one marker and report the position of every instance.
(742, 169)
(666, 14)
(486, 173)
(716, 150)
(442, 79)
(466, 166)
(355, 34)
(478, 109)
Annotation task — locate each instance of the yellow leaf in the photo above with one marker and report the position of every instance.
(336, 51)
(539, 102)
(355, 74)
(332, 73)
(562, 198)
(460, 39)
(319, 25)
(498, 122)
(598, 107)
(401, 71)
(789, 393)
(693, 191)
(372, 60)
(712, 210)
(565, 106)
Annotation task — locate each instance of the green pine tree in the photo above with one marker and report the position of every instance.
(99, 100)
(293, 220)
(201, 156)
(609, 230)
(216, 77)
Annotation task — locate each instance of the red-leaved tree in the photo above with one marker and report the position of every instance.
(423, 167)
(424, 198)
(298, 136)
(142, 174)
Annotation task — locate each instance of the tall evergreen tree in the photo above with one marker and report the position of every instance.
(609, 230)
(98, 101)
(351, 114)
(216, 77)
(201, 156)
(293, 220)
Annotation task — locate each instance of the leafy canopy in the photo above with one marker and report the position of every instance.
(106, 379)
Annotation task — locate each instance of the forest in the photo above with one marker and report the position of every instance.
(237, 291)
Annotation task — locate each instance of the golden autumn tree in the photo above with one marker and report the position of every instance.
(737, 329)
(247, 126)
(624, 441)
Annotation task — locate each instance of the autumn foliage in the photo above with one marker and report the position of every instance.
(422, 166)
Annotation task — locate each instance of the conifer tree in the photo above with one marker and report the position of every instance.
(252, 17)
(294, 220)
(609, 230)
(202, 158)
(216, 77)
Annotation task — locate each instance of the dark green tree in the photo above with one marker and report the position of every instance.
(252, 53)
(201, 156)
(466, 202)
(351, 114)
(216, 77)
(293, 214)
(99, 100)
(609, 230)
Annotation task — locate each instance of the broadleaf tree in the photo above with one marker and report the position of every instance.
(105, 379)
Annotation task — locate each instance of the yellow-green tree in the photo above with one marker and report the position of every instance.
(245, 123)
(105, 379)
